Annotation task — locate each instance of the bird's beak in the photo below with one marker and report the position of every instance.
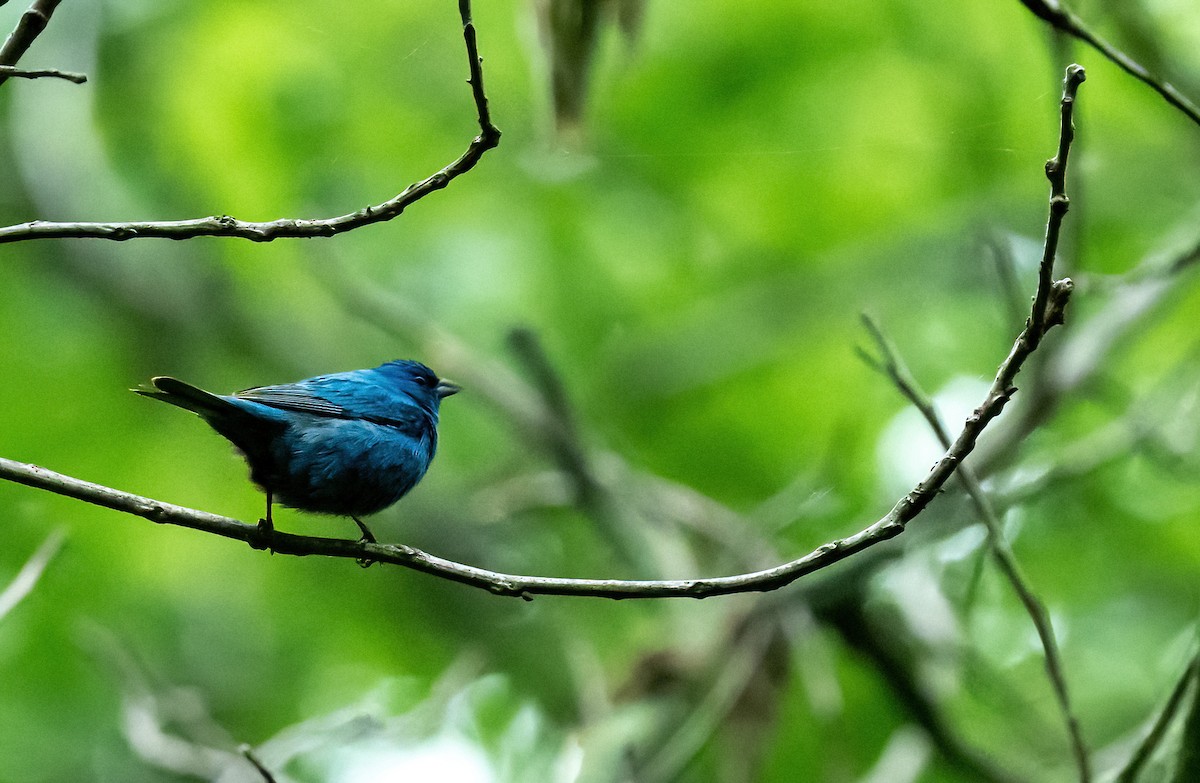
(445, 388)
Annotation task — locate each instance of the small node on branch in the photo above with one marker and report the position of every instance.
(1060, 293)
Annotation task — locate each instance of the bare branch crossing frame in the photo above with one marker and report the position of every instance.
(1049, 304)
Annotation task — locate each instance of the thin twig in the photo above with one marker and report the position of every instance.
(1187, 762)
(894, 367)
(1158, 730)
(226, 226)
(248, 753)
(1044, 314)
(27, 578)
(29, 27)
(45, 73)
(1052, 12)
(1078, 359)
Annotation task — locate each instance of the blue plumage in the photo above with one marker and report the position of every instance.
(350, 443)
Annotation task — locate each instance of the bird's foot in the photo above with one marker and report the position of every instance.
(263, 536)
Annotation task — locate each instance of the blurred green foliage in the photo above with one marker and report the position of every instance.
(750, 179)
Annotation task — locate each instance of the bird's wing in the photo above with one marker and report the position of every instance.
(293, 398)
(360, 401)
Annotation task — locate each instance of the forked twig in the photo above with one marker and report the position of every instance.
(226, 226)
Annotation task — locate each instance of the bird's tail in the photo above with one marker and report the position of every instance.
(188, 397)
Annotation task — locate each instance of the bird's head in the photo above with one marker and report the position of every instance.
(419, 382)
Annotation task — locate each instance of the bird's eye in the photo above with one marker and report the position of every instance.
(421, 380)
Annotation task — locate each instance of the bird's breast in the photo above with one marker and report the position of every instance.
(349, 466)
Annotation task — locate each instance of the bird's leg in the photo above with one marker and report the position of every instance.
(367, 538)
(266, 527)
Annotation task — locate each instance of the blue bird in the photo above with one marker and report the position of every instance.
(349, 443)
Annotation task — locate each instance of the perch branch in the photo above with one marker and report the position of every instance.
(499, 583)
(1053, 13)
(226, 226)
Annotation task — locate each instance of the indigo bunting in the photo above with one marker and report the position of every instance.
(350, 443)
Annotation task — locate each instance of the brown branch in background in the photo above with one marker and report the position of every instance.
(564, 437)
(892, 365)
(644, 497)
(565, 444)
(898, 670)
(744, 658)
(29, 27)
(1053, 13)
(7, 71)
(225, 226)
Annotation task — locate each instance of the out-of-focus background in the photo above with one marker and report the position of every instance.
(688, 245)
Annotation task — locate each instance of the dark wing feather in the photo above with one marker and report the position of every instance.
(293, 398)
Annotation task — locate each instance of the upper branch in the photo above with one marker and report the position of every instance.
(29, 27)
(1060, 18)
(226, 226)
